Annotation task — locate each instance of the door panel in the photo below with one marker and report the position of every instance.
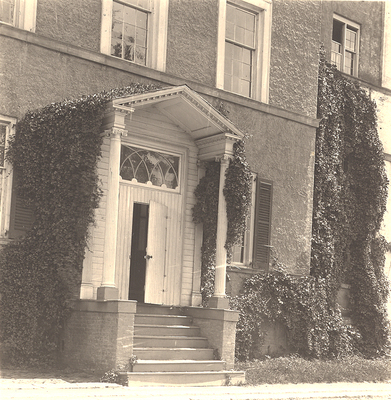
(156, 253)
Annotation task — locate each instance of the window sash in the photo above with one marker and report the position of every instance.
(242, 254)
(240, 45)
(129, 33)
(344, 54)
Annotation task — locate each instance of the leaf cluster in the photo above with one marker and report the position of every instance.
(350, 194)
(54, 155)
(237, 193)
(300, 306)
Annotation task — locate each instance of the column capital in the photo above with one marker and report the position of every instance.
(224, 159)
(115, 132)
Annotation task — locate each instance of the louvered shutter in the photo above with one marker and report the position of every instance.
(262, 225)
(22, 216)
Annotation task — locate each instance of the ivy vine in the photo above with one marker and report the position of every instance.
(237, 193)
(350, 196)
(300, 306)
(54, 154)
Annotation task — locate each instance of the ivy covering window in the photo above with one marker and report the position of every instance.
(239, 50)
(344, 45)
(149, 167)
(130, 30)
(242, 253)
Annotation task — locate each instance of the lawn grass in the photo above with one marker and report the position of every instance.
(298, 370)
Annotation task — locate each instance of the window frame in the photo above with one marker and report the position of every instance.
(157, 150)
(248, 241)
(27, 10)
(356, 27)
(156, 37)
(7, 179)
(261, 65)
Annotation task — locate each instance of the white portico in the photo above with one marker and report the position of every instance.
(145, 245)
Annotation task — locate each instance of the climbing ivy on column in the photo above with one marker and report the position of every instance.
(237, 193)
(54, 153)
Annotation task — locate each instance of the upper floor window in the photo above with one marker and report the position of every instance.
(239, 50)
(149, 167)
(136, 31)
(243, 55)
(345, 45)
(19, 13)
(129, 31)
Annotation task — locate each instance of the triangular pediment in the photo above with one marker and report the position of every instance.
(184, 108)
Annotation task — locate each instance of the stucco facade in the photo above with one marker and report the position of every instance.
(64, 55)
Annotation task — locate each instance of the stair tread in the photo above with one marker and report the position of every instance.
(169, 337)
(171, 348)
(164, 315)
(164, 326)
(185, 372)
(179, 361)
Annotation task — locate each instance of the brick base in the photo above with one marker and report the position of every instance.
(99, 335)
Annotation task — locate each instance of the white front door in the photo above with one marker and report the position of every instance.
(156, 253)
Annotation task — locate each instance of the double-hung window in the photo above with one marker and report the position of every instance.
(19, 13)
(243, 55)
(136, 31)
(345, 45)
(254, 249)
(239, 50)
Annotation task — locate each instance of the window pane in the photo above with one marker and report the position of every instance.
(350, 41)
(238, 69)
(349, 63)
(129, 32)
(7, 11)
(337, 31)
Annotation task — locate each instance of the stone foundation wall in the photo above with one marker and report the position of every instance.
(99, 335)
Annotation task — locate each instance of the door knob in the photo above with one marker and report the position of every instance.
(147, 257)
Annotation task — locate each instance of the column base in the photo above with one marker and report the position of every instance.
(107, 293)
(219, 302)
(86, 291)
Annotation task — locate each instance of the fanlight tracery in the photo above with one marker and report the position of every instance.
(149, 167)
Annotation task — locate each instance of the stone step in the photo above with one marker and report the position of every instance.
(208, 378)
(170, 341)
(155, 319)
(161, 353)
(170, 330)
(178, 365)
(144, 308)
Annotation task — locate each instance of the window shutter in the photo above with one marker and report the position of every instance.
(262, 225)
(22, 216)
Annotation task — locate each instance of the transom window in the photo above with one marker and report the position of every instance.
(149, 167)
(344, 45)
(129, 30)
(239, 50)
